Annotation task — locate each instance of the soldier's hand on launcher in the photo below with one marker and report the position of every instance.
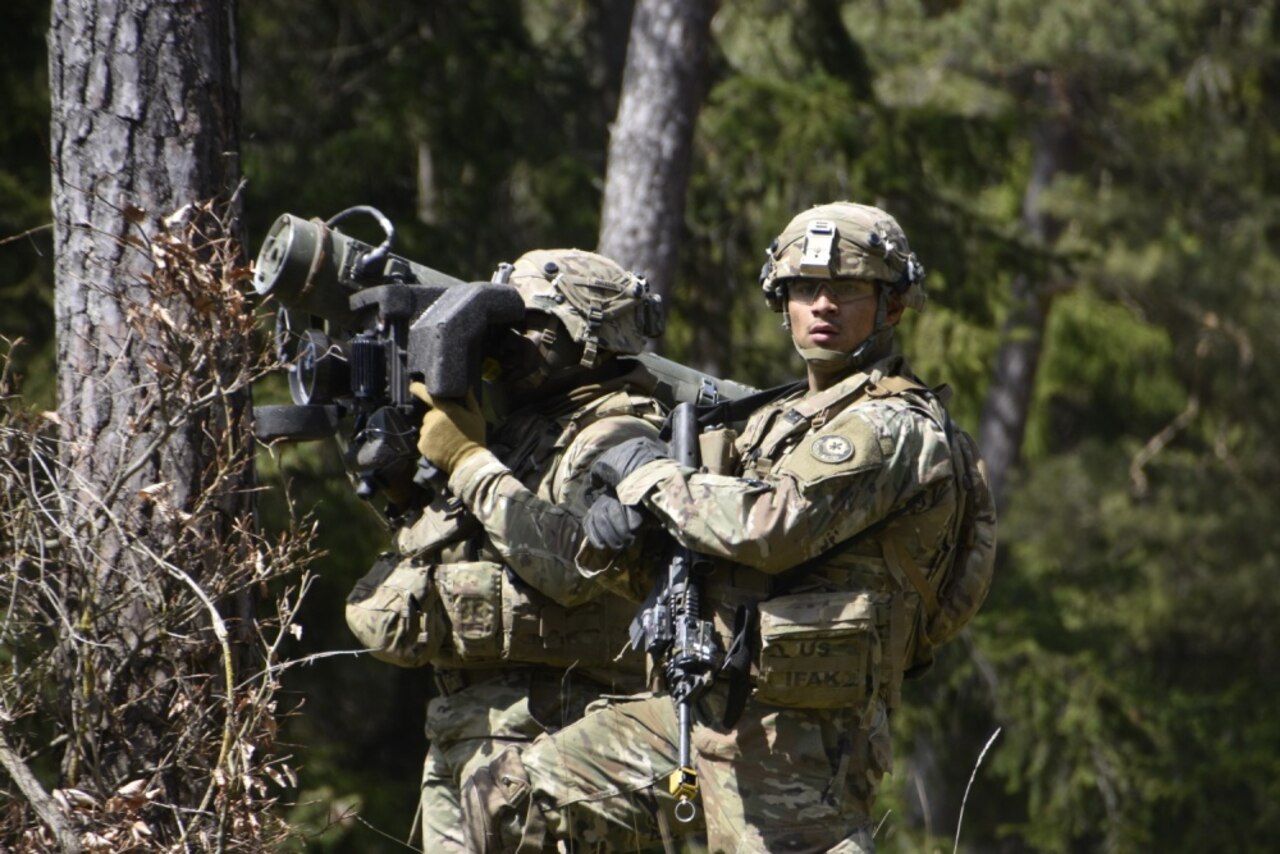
(451, 431)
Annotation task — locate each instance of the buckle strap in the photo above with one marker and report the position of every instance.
(902, 563)
(450, 682)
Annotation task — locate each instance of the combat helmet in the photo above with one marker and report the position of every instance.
(844, 240)
(603, 307)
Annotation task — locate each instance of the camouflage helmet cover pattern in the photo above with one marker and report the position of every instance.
(602, 306)
(843, 240)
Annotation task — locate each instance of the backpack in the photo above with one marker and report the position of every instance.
(951, 595)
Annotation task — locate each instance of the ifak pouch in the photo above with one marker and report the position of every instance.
(818, 650)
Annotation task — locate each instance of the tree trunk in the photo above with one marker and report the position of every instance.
(145, 112)
(1003, 423)
(651, 141)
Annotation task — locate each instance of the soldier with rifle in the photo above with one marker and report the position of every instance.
(845, 531)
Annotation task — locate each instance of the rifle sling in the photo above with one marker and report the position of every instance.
(737, 664)
(737, 410)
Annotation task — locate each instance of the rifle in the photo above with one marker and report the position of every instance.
(674, 631)
(356, 323)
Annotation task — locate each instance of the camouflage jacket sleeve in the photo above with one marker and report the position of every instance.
(861, 467)
(538, 533)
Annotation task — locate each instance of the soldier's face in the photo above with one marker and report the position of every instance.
(837, 316)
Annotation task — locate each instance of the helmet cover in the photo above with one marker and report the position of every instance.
(843, 240)
(602, 306)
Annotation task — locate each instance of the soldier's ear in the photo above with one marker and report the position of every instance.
(896, 308)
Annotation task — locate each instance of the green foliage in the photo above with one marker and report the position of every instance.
(323, 819)
(1134, 641)
(784, 127)
(1121, 645)
(342, 101)
(1105, 374)
(945, 344)
(26, 268)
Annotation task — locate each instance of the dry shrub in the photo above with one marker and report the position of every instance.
(138, 700)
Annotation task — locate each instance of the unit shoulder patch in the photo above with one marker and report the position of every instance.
(851, 445)
(831, 449)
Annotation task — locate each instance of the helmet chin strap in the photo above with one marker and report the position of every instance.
(873, 348)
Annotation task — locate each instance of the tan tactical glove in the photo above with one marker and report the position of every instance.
(451, 430)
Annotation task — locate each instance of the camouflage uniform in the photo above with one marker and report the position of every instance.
(482, 586)
(833, 494)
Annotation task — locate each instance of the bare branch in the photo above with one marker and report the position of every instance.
(44, 805)
(972, 777)
(165, 714)
(14, 238)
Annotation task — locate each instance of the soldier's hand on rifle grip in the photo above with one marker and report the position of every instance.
(451, 430)
(610, 525)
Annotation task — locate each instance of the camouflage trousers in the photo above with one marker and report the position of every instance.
(794, 780)
(469, 727)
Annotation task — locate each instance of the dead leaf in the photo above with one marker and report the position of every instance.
(132, 789)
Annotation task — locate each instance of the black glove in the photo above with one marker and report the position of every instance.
(621, 460)
(611, 525)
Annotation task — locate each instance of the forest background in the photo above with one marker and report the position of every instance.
(1092, 185)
